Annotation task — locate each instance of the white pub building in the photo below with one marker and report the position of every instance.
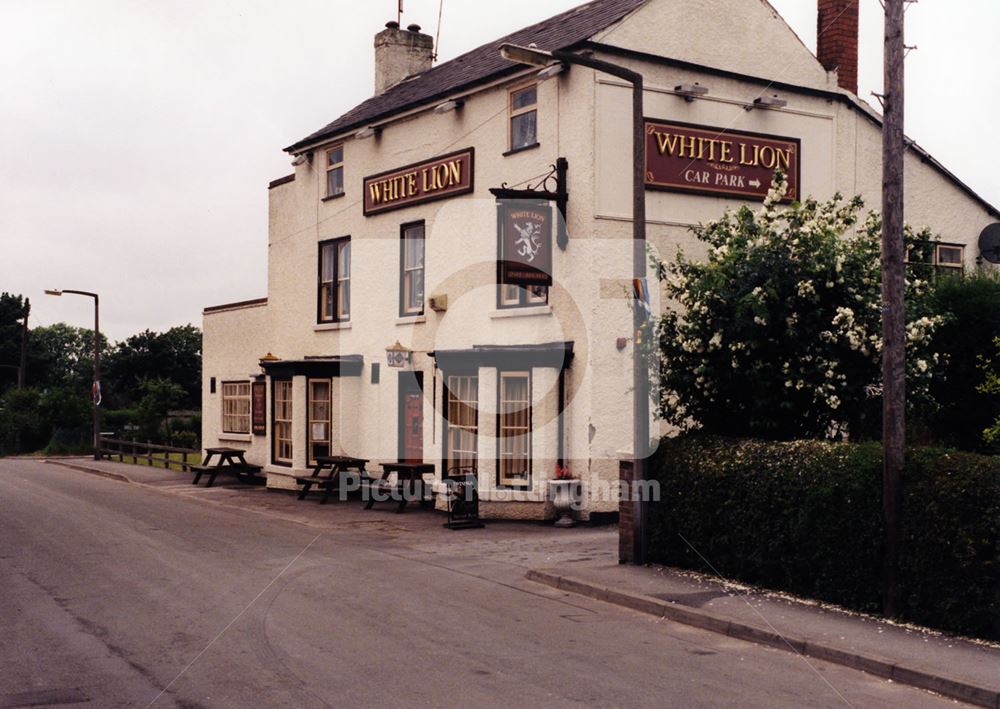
(449, 265)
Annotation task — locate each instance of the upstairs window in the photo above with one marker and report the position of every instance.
(335, 171)
(236, 407)
(513, 296)
(411, 270)
(523, 117)
(335, 280)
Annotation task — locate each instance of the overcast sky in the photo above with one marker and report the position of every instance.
(137, 137)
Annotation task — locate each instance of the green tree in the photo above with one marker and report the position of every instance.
(158, 397)
(13, 308)
(174, 355)
(778, 334)
(62, 355)
(22, 426)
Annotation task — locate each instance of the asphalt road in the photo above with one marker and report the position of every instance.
(115, 594)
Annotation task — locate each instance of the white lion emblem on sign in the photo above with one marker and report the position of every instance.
(527, 243)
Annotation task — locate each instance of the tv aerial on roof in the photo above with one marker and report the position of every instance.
(989, 243)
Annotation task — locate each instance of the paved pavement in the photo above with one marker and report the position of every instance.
(162, 594)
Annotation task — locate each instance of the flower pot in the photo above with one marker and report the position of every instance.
(564, 493)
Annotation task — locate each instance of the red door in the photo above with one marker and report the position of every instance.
(411, 417)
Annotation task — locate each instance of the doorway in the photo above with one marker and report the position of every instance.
(411, 417)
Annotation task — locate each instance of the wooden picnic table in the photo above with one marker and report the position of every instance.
(335, 464)
(230, 460)
(407, 475)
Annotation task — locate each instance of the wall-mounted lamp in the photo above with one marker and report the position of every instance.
(398, 356)
(368, 132)
(299, 159)
(451, 105)
(551, 71)
(691, 91)
(267, 359)
(767, 102)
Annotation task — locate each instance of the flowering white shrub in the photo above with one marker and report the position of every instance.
(991, 367)
(779, 333)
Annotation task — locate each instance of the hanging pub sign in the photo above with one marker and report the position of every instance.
(447, 176)
(258, 408)
(525, 242)
(717, 161)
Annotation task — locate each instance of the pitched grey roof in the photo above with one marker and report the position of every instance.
(482, 63)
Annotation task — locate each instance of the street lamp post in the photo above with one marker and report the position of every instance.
(96, 389)
(640, 374)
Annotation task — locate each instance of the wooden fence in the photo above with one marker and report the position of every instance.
(151, 454)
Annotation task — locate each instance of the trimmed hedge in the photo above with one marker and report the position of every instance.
(806, 517)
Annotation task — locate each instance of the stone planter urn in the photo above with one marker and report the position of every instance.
(564, 493)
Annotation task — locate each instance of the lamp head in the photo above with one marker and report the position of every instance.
(53, 291)
(526, 55)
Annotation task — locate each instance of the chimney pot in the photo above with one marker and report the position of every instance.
(837, 40)
(392, 25)
(414, 28)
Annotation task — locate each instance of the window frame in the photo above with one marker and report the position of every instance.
(275, 383)
(931, 251)
(525, 297)
(938, 263)
(404, 311)
(513, 113)
(334, 284)
(310, 420)
(446, 400)
(501, 375)
(334, 166)
(248, 397)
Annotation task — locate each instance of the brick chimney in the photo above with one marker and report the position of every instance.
(837, 40)
(400, 54)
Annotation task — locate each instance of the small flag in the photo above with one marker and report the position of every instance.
(640, 291)
(96, 391)
(640, 294)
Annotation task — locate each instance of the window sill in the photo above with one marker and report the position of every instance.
(324, 327)
(514, 151)
(411, 319)
(236, 437)
(525, 312)
(330, 198)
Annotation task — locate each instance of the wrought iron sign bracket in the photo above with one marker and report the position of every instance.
(552, 187)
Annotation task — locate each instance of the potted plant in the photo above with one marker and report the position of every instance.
(564, 491)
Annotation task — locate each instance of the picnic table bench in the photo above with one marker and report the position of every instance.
(336, 464)
(407, 475)
(230, 460)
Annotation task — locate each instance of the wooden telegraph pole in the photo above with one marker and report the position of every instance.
(893, 316)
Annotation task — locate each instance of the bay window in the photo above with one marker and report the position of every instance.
(462, 421)
(319, 418)
(514, 429)
(282, 424)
